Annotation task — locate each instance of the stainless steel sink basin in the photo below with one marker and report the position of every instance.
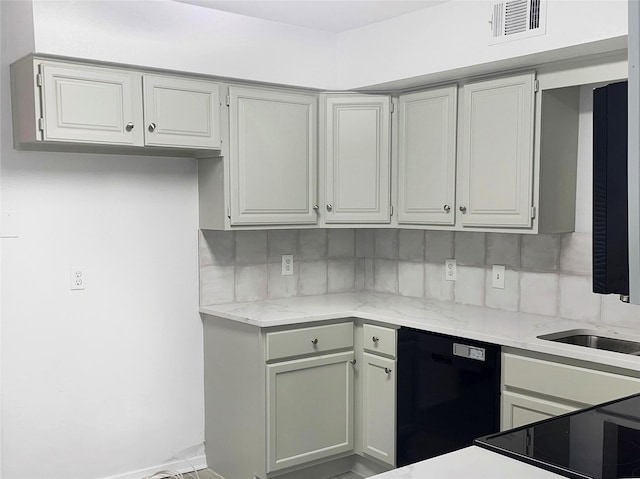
(591, 339)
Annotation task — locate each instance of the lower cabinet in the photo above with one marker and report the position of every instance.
(520, 409)
(298, 401)
(379, 407)
(309, 409)
(537, 386)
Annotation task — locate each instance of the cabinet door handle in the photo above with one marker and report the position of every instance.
(387, 370)
(314, 341)
(152, 127)
(446, 208)
(352, 361)
(375, 339)
(329, 207)
(316, 207)
(129, 126)
(462, 208)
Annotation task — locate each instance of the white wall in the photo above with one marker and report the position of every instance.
(455, 35)
(178, 36)
(107, 381)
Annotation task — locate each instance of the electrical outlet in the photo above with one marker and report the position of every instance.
(497, 276)
(77, 278)
(450, 270)
(287, 264)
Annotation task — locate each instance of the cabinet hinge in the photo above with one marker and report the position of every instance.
(227, 100)
(536, 85)
(41, 124)
(229, 212)
(393, 107)
(391, 210)
(39, 79)
(533, 212)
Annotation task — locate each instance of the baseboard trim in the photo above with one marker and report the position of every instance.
(179, 465)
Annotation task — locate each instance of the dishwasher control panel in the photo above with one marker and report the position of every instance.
(469, 352)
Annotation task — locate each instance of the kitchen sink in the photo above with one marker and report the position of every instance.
(591, 339)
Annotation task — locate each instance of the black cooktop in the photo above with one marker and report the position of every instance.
(601, 442)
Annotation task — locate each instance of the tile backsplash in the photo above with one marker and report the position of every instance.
(545, 274)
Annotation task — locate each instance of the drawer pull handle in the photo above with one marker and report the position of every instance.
(375, 339)
(387, 370)
(314, 341)
(352, 361)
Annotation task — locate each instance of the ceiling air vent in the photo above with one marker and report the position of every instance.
(517, 19)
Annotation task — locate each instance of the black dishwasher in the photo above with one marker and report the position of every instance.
(448, 393)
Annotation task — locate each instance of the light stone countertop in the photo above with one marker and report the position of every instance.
(470, 462)
(518, 330)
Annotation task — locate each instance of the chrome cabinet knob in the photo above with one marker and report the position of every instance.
(463, 208)
(352, 361)
(329, 207)
(152, 127)
(314, 341)
(375, 339)
(129, 126)
(387, 370)
(446, 208)
(316, 208)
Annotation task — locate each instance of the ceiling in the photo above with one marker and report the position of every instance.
(329, 15)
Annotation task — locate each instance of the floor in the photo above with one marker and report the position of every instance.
(208, 474)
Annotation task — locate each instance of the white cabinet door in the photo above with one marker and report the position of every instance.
(181, 112)
(356, 159)
(497, 152)
(427, 157)
(519, 410)
(379, 408)
(273, 153)
(83, 104)
(309, 409)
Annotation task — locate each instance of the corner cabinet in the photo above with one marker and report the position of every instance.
(273, 157)
(355, 152)
(496, 167)
(59, 105)
(427, 157)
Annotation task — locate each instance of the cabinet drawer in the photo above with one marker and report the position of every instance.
(572, 383)
(317, 339)
(377, 339)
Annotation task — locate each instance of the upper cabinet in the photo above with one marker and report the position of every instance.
(427, 157)
(273, 159)
(507, 163)
(181, 112)
(355, 151)
(87, 104)
(496, 167)
(60, 105)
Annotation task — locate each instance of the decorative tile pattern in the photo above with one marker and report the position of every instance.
(411, 279)
(313, 278)
(504, 249)
(469, 248)
(411, 245)
(282, 242)
(438, 246)
(540, 252)
(341, 243)
(341, 276)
